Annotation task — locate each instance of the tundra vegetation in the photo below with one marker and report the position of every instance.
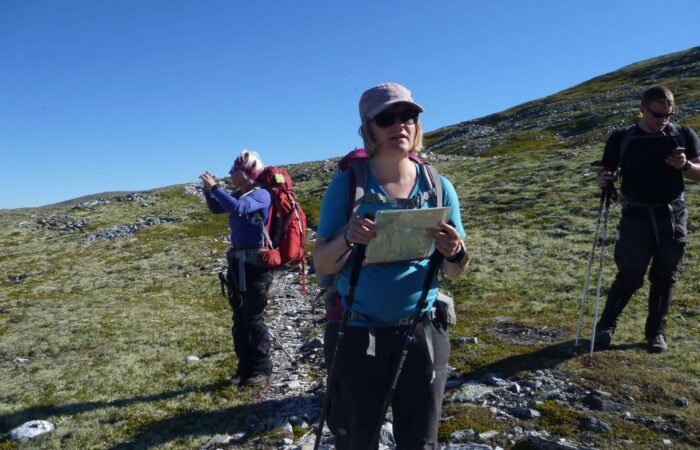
(94, 333)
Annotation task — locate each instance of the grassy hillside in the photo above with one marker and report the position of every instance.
(93, 333)
(582, 115)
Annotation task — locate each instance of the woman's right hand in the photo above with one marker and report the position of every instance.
(360, 230)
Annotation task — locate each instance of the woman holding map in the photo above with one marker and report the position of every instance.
(386, 295)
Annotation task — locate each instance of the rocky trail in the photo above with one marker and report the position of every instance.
(288, 408)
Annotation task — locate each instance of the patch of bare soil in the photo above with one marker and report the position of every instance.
(519, 334)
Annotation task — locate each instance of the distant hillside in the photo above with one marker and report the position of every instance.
(582, 115)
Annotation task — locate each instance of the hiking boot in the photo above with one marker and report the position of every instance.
(602, 339)
(236, 379)
(256, 379)
(657, 344)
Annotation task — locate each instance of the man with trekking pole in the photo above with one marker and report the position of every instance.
(392, 346)
(651, 158)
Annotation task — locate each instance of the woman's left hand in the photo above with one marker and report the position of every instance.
(447, 239)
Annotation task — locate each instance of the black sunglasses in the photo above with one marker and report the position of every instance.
(386, 119)
(659, 115)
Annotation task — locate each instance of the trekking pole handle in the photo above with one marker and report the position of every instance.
(357, 257)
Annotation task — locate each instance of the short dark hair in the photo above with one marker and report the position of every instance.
(658, 94)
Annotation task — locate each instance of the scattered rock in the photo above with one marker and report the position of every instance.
(467, 447)
(61, 222)
(313, 343)
(488, 435)
(17, 279)
(31, 430)
(594, 425)
(493, 380)
(526, 413)
(128, 230)
(92, 204)
(599, 403)
(458, 342)
(470, 392)
(681, 401)
(192, 360)
(463, 435)
(541, 443)
(219, 439)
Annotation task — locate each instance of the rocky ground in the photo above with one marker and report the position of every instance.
(286, 411)
(288, 408)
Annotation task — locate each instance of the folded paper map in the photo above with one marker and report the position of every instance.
(402, 235)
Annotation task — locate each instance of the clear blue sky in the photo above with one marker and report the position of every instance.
(102, 96)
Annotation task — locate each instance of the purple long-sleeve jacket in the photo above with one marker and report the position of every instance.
(242, 209)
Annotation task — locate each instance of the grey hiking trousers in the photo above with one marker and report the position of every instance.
(362, 382)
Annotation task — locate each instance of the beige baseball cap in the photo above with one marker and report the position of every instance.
(376, 99)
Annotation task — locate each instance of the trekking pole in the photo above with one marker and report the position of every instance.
(584, 295)
(433, 267)
(609, 193)
(357, 257)
(279, 344)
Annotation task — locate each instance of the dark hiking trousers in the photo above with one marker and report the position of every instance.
(362, 382)
(655, 235)
(251, 338)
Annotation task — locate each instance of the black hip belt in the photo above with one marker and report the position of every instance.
(627, 202)
(630, 204)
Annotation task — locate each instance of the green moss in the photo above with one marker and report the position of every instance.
(559, 419)
(465, 416)
(693, 122)
(311, 204)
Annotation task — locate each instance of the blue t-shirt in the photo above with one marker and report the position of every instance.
(385, 292)
(243, 214)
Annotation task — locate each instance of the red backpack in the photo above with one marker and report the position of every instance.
(286, 226)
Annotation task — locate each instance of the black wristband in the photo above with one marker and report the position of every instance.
(686, 166)
(213, 188)
(458, 257)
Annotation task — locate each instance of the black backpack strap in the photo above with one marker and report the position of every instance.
(626, 139)
(359, 176)
(432, 178)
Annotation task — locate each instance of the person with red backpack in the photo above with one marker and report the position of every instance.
(385, 296)
(249, 283)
